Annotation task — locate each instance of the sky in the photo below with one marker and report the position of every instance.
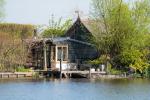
(38, 12)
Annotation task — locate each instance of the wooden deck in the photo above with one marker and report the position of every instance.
(69, 73)
(86, 74)
(83, 72)
(15, 74)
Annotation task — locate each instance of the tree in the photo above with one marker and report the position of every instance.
(122, 30)
(12, 52)
(12, 47)
(56, 28)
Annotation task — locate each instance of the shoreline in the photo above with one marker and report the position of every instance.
(110, 77)
(34, 75)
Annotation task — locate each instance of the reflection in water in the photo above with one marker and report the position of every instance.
(75, 89)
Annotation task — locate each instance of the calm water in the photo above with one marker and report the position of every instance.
(75, 89)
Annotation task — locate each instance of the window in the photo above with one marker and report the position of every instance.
(52, 53)
(62, 53)
(59, 52)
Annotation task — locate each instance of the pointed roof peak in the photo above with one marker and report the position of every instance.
(78, 19)
(78, 14)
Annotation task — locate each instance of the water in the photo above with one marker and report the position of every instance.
(75, 89)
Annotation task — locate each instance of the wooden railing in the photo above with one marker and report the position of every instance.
(15, 74)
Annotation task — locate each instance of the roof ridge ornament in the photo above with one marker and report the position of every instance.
(78, 13)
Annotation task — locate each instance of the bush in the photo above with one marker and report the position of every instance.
(22, 69)
(115, 72)
(147, 72)
(36, 75)
(96, 62)
(136, 75)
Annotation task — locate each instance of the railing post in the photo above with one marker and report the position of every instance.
(90, 72)
(17, 75)
(61, 59)
(1, 75)
(60, 68)
(8, 75)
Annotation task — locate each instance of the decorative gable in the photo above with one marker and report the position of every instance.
(79, 31)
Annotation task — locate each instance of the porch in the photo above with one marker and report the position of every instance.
(46, 55)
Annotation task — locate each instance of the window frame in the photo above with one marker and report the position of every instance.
(65, 59)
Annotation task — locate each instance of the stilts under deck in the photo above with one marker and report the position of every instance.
(68, 73)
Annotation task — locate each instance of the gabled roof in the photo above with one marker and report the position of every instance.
(92, 26)
(79, 31)
(77, 22)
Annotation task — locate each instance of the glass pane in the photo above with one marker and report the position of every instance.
(64, 53)
(59, 51)
(53, 53)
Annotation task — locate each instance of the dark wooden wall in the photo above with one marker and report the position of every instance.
(79, 51)
(78, 31)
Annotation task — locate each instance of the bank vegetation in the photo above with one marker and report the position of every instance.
(122, 34)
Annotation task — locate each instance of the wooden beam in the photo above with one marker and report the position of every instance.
(45, 55)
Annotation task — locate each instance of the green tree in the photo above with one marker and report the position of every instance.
(56, 27)
(13, 52)
(122, 31)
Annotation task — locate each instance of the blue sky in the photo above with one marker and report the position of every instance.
(39, 11)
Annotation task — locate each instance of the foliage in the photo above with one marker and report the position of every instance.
(147, 72)
(56, 28)
(96, 62)
(140, 63)
(127, 57)
(36, 75)
(121, 31)
(17, 30)
(115, 72)
(12, 47)
(22, 69)
(12, 52)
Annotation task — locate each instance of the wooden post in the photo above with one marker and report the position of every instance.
(60, 68)
(17, 75)
(8, 75)
(107, 71)
(52, 74)
(61, 59)
(125, 75)
(90, 72)
(1, 75)
(70, 75)
(45, 56)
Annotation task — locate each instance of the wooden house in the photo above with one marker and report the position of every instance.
(73, 49)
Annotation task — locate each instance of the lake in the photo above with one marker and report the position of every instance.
(75, 89)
